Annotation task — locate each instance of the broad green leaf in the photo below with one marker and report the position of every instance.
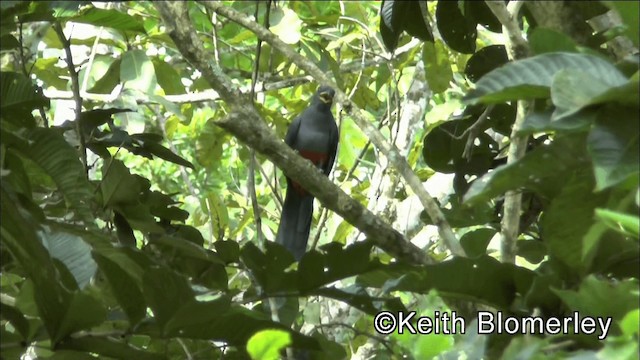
(484, 279)
(109, 80)
(126, 289)
(166, 292)
(564, 224)
(600, 297)
(337, 263)
(628, 11)
(532, 77)
(542, 170)
(288, 29)
(109, 18)
(537, 122)
(16, 318)
(73, 252)
(437, 67)
(352, 141)
(572, 90)
(50, 150)
(19, 96)
(108, 347)
(475, 242)
(168, 78)
(631, 323)
(456, 28)
(358, 298)
(137, 72)
(187, 249)
(266, 344)
(545, 40)
(623, 223)
(46, 71)
(166, 154)
(61, 307)
(614, 146)
(118, 186)
(222, 321)
(218, 214)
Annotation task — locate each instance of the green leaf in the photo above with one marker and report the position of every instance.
(458, 31)
(572, 90)
(541, 170)
(219, 215)
(545, 40)
(483, 279)
(628, 11)
(623, 223)
(532, 77)
(168, 77)
(49, 149)
(436, 66)
(19, 94)
(73, 252)
(137, 71)
(352, 141)
(222, 321)
(537, 122)
(337, 263)
(107, 347)
(166, 292)
(564, 224)
(118, 186)
(288, 29)
(484, 60)
(266, 344)
(188, 249)
(16, 318)
(602, 298)
(109, 80)
(126, 289)
(631, 323)
(357, 297)
(166, 154)
(614, 147)
(475, 242)
(109, 18)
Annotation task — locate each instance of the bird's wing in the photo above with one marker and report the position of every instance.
(292, 132)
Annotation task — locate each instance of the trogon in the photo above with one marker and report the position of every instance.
(314, 135)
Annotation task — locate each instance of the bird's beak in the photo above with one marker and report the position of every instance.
(326, 98)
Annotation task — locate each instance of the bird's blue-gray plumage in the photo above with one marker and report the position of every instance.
(314, 134)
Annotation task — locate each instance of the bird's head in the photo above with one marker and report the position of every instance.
(325, 95)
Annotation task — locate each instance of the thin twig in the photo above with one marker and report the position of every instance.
(75, 87)
(474, 131)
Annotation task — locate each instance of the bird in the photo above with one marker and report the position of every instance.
(314, 135)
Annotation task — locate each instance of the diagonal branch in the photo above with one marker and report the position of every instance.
(247, 125)
(388, 150)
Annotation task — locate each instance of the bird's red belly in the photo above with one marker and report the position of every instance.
(318, 159)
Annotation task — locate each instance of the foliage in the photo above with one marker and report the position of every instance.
(146, 245)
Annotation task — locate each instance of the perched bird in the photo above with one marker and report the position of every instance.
(314, 134)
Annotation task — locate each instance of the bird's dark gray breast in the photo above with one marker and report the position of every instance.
(315, 131)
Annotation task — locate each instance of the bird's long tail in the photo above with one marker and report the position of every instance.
(295, 221)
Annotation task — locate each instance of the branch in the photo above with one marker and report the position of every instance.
(247, 125)
(75, 87)
(518, 48)
(388, 150)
